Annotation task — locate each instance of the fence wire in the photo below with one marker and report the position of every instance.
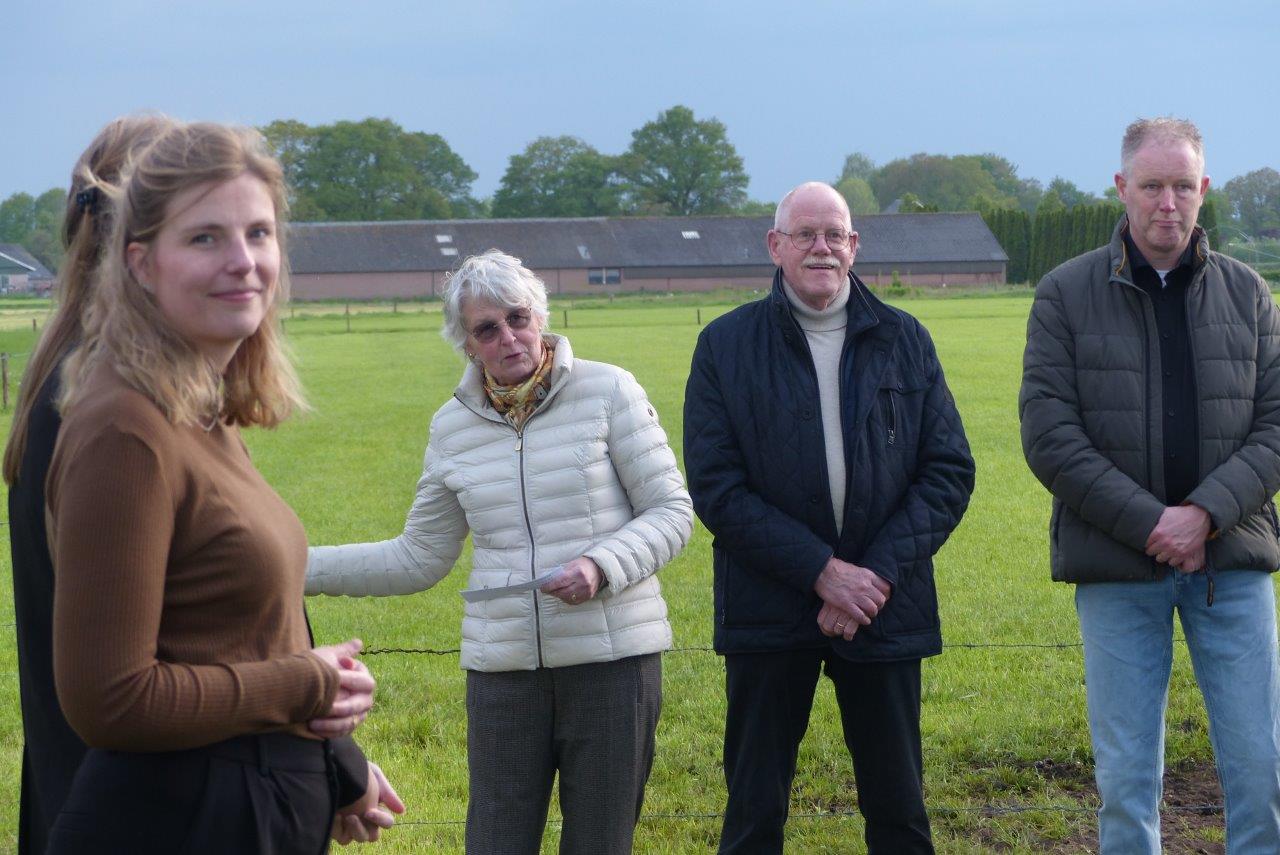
(982, 810)
(994, 645)
(986, 810)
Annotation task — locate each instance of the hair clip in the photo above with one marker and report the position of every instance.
(87, 200)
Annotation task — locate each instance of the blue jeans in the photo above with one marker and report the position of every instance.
(1128, 652)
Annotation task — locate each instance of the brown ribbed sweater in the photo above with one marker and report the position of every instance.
(178, 611)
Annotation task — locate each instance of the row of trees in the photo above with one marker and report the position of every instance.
(676, 164)
(1253, 201)
(1037, 244)
(375, 170)
(936, 182)
(371, 170)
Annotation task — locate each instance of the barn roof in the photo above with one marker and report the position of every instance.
(627, 242)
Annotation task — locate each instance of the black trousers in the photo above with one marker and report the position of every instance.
(271, 794)
(770, 696)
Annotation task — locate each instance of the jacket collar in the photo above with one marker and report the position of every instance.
(470, 389)
(1122, 265)
(865, 311)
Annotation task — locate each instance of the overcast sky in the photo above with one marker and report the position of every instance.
(1048, 85)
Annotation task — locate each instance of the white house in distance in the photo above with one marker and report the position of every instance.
(20, 271)
(598, 255)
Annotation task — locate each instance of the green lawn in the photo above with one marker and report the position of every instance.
(1004, 725)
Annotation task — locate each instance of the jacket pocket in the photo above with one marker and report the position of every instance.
(901, 408)
(913, 608)
(1251, 545)
(750, 599)
(889, 412)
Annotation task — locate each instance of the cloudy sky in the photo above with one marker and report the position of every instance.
(1050, 85)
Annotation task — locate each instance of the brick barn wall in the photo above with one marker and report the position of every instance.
(564, 281)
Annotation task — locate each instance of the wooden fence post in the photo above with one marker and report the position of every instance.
(348, 317)
(4, 378)
(566, 318)
(699, 317)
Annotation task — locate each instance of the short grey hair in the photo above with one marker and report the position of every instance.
(500, 279)
(783, 211)
(1164, 129)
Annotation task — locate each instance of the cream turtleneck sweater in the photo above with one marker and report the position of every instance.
(825, 331)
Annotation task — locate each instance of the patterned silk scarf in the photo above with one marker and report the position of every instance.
(517, 403)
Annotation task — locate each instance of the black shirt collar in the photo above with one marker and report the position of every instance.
(1137, 259)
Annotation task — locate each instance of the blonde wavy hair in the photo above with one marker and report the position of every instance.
(86, 226)
(125, 328)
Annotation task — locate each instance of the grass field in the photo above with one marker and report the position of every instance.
(1005, 741)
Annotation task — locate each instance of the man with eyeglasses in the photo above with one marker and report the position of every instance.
(1150, 410)
(825, 454)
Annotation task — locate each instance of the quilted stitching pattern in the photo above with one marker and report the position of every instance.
(601, 481)
(1090, 404)
(754, 455)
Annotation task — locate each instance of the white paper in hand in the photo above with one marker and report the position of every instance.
(478, 594)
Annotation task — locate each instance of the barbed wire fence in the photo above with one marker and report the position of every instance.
(988, 809)
(564, 319)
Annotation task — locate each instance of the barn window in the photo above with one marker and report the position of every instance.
(604, 276)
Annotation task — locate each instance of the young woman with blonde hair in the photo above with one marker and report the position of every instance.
(182, 652)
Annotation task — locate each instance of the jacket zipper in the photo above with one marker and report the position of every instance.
(893, 419)
(1146, 382)
(1195, 391)
(528, 524)
(533, 546)
(1146, 386)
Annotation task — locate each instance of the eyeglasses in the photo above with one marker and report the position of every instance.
(488, 332)
(804, 239)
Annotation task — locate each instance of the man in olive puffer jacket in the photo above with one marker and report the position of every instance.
(1150, 409)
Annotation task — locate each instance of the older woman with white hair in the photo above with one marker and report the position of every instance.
(552, 463)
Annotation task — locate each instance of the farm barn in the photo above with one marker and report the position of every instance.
(624, 254)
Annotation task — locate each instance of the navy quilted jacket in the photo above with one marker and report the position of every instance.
(754, 453)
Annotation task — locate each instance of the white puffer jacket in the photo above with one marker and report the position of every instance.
(591, 474)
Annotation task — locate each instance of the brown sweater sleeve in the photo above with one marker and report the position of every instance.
(113, 503)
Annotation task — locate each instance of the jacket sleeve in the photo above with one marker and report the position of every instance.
(758, 535)
(420, 557)
(113, 512)
(1058, 450)
(647, 469)
(351, 769)
(935, 501)
(1247, 480)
